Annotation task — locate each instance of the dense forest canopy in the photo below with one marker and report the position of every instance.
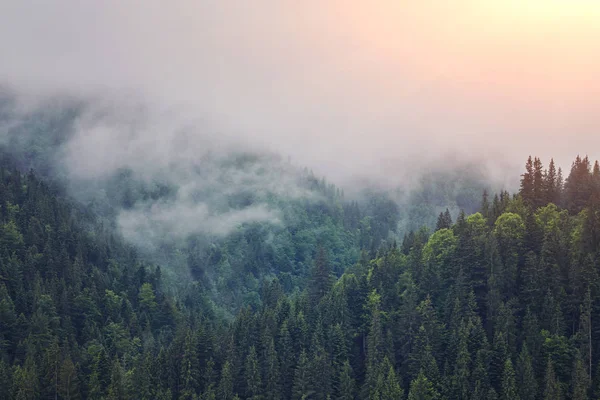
(226, 219)
(501, 303)
(299, 200)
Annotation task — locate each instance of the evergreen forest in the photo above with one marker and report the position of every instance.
(502, 303)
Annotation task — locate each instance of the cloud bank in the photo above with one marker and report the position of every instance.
(354, 89)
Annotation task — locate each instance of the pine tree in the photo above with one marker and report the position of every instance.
(302, 385)
(116, 389)
(585, 332)
(346, 388)
(25, 381)
(581, 381)
(68, 383)
(444, 220)
(560, 187)
(498, 360)
(5, 380)
(527, 183)
(225, 389)
(422, 389)
(596, 384)
(272, 376)
(527, 385)
(552, 390)
(190, 369)
(492, 394)
(320, 366)
(539, 184)
(375, 345)
(551, 184)
(252, 373)
(285, 352)
(94, 388)
(578, 186)
(461, 377)
(391, 389)
(480, 379)
(509, 384)
(485, 205)
(321, 279)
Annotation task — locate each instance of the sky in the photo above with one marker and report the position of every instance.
(354, 89)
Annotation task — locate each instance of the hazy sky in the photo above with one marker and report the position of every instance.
(344, 86)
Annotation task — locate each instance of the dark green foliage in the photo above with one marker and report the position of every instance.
(422, 389)
(552, 389)
(509, 384)
(503, 304)
(526, 380)
(444, 221)
(321, 279)
(302, 387)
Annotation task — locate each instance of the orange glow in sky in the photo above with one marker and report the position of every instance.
(541, 46)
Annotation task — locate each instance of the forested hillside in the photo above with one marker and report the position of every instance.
(503, 303)
(226, 219)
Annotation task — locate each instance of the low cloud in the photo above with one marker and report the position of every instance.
(150, 224)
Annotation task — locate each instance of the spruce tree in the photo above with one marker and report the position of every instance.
(68, 381)
(527, 385)
(552, 389)
(225, 389)
(116, 389)
(527, 183)
(190, 369)
(581, 381)
(302, 387)
(509, 384)
(485, 204)
(585, 332)
(346, 389)
(252, 375)
(321, 279)
(273, 373)
(551, 184)
(422, 389)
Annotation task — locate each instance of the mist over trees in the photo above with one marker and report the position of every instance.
(299, 200)
(498, 303)
(224, 215)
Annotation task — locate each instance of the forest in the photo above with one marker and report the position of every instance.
(500, 302)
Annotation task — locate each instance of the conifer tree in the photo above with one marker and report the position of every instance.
(272, 376)
(509, 384)
(346, 388)
(527, 384)
(551, 184)
(552, 390)
(539, 184)
(585, 332)
(527, 183)
(68, 381)
(581, 381)
(388, 386)
(253, 379)
(302, 385)
(6, 380)
(421, 389)
(225, 389)
(190, 369)
(321, 279)
(485, 204)
(286, 359)
(444, 220)
(116, 389)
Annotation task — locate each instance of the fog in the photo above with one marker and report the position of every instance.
(358, 91)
